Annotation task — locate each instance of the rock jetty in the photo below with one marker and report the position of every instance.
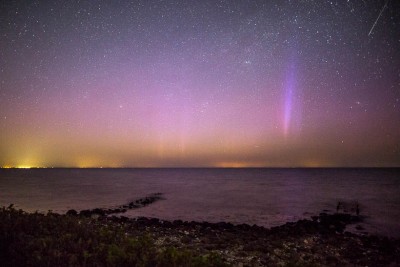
(136, 204)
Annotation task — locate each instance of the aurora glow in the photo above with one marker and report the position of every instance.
(199, 83)
(289, 88)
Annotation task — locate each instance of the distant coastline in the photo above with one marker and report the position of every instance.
(233, 168)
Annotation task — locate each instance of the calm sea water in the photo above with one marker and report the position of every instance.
(266, 197)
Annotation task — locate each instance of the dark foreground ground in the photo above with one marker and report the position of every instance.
(34, 239)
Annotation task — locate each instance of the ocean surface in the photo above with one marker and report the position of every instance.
(266, 197)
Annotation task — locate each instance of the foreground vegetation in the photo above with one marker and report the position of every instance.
(92, 238)
(59, 240)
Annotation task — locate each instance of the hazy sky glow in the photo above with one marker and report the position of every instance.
(199, 83)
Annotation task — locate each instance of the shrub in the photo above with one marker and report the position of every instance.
(34, 239)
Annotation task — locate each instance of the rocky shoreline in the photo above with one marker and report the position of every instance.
(319, 241)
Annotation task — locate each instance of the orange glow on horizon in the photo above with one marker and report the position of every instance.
(24, 167)
(234, 165)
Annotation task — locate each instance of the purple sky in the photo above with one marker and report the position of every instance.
(199, 83)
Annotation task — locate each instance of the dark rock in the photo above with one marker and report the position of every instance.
(224, 225)
(177, 222)
(192, 224)
(360, 228)
(154, 221)
(124, 219)
(167, 224)
(85, 213)
(132, 206)
(142, 219)
(99, 212)
(72, 212)
(244, 227)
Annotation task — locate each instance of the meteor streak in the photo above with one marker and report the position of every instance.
(380, 14)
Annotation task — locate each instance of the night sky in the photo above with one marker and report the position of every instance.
(199, 83)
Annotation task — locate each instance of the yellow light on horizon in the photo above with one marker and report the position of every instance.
(233, 165)
(24, 167)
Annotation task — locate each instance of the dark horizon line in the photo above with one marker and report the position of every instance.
(296, 167)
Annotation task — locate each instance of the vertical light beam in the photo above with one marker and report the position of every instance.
(288, 106)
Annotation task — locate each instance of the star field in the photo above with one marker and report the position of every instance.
(199, 83)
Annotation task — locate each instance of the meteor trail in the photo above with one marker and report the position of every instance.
(380, 14)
